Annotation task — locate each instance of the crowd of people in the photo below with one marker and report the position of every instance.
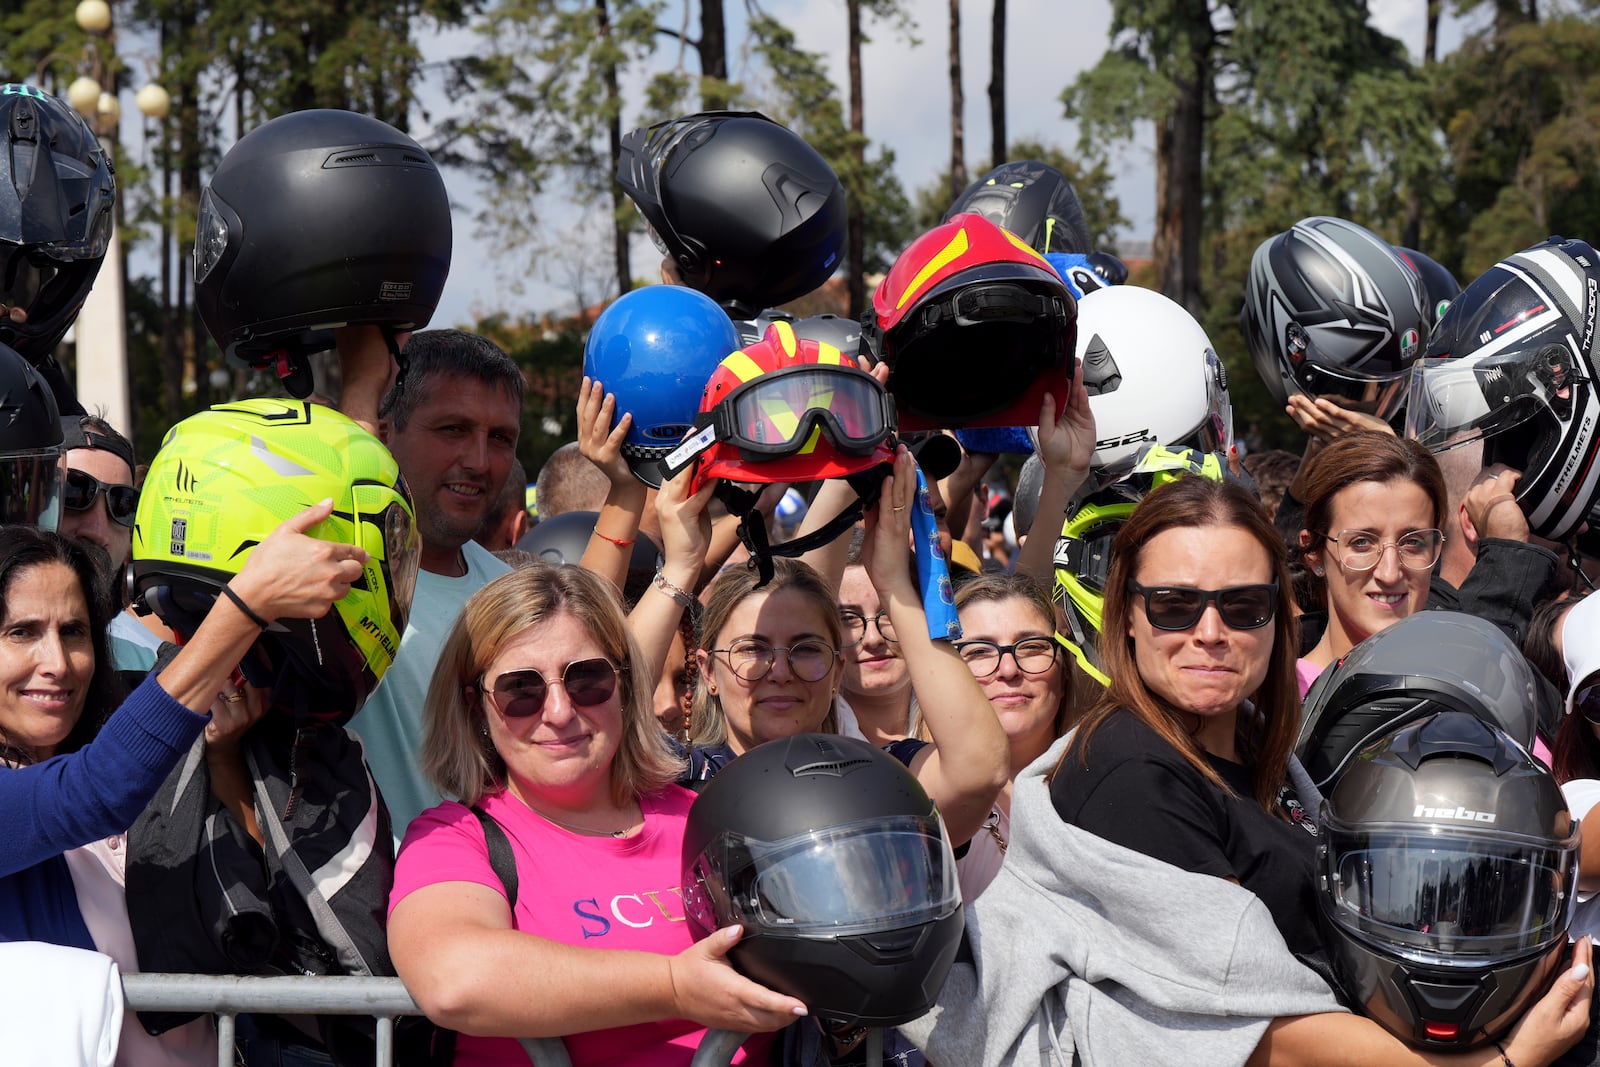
(314, 690)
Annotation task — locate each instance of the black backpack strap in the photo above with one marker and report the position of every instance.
(500, 857)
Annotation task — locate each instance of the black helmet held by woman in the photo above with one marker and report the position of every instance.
(56, 196)
(750, 213)
(314, 220)
(833, 859)
(30, 445)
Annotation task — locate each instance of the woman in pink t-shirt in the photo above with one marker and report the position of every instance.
(535, 718)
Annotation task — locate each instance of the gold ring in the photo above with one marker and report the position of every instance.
(234, 697)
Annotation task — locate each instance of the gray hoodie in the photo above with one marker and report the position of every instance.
(1085, 949)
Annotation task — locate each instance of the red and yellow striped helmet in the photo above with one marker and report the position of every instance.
(788, 409)
(975, 325)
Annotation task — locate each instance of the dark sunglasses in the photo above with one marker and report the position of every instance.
(1178, 607)
(1587, 704)
(122, 501)
(519, 694)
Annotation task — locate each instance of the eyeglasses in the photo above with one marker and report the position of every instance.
(810, 661)
(1362, 550)
(1032, 655)
(520, 694)
(122, 501)
(855, 627)
(1178, 607)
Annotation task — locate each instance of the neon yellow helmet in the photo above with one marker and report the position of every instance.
(223, 480)
(1083, 551)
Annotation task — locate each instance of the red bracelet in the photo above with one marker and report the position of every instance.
(619, 542)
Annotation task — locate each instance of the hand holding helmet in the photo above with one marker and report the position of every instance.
(1560, 1018)
(706, 989)
(1484, 505)
(886, 550)
(685, 529)
(601, 432)
(290, 575)
(1326, 421)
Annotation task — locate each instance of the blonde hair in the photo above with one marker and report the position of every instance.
(457, 754)
(709, 725)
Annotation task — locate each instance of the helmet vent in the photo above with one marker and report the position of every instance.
(830, 768)
(355, 160)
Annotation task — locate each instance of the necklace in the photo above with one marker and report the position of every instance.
(586, 830)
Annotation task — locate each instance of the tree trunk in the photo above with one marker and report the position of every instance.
(998, 152)
(958, 105)
(856, 230)
(1411, 229)
(619, 229)
(1180, 156)
(713, 49)
(171, 323)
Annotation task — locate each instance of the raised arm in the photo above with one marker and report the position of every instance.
(685, 536)
(611, 542)
(1065, 447)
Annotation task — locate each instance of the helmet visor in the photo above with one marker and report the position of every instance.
(1451, 898)
(782, 412)
(30, 488)
(402, 553)
(1453, 401)
(1367, 395)
(862, 877)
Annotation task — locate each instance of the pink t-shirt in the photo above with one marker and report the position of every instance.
(578, 889)
(1306, 673)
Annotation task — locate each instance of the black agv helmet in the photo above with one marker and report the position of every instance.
(1512, 363)
(56, 197)
(314, 220)
(1439, 286)
(1330, 309)
(750, 213)
(30, 446)
(833, 859)
(1447, 878)
(1033, 200)
(1426, 663)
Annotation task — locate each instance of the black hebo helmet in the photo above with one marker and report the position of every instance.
(833, 859)
(30, 446)
(314, 220)
(1426, 663)
(1513, 363)
(1330, 309)
(1447, 879)
(1033, 200)
(56, 196)
(749, 212)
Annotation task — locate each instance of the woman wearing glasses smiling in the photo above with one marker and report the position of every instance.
(1374, 507)
(535, 717)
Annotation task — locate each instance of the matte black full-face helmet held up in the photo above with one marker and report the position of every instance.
(31, 444)
(1033, 200)
(748, 211)
(833, 859)
(314, 220)
(56, 198)
(1448, 869)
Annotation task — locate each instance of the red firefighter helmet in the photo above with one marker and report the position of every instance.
(788, 409)
(976, 327)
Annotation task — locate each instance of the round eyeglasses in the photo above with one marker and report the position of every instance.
(854, 625)
(810, 661)
(1362, 550)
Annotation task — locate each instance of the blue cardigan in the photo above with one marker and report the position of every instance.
(67, 801)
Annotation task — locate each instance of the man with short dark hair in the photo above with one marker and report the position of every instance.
(452, 421)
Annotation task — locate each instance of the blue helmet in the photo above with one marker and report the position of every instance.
(655, 348)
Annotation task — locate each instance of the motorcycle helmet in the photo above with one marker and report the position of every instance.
(31, 444)
(787, 410)
(564, 538)
(976, 327)
(1512, 363)
(1428, 662)
(1331, 310)
(1033, 200)
(1447, 876)
(753, 329)
(830, 329)
(750, 213)
(56, 198)
(314, 220)
(833, 859)
(654, 348)
(1439, 286)
(1083, 551)
(1152, 377)
(225, 479)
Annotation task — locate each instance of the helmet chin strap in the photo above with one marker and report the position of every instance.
(753, 535)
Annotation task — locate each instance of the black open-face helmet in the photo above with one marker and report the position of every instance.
(315, 220)
(31, 444)
(56, 197)
(833, 859)
(1033, 200)
(1448, 869)
(749, 212)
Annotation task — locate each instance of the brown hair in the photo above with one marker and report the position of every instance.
(1368, 456)
(457, 754)
(727, 591)
(1266, 738)
(998, 588)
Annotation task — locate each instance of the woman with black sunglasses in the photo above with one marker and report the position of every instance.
(539, 722)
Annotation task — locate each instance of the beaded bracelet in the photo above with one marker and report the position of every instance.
(679, 595)
(238, 602)
(1504, 1059)
(619, 542)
